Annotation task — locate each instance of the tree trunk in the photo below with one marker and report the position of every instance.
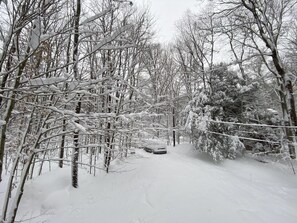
(62, 148)
(20, 190)
(173, 125)
(75, 154)
(9, 108)
(14, 168)
(61, 153)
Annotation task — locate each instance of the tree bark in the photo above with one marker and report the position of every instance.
(75, 154)
(173, 125)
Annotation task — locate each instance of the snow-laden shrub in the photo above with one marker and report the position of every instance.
(210, 109)
(218, 145)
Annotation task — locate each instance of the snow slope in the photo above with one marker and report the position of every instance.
(182, 186)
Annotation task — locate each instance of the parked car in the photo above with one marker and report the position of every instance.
(154, 147)
(132, 151)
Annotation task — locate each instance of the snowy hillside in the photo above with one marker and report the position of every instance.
(181, 186)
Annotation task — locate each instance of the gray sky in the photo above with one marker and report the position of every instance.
(166, 13)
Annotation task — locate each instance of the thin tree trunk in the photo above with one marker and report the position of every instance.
(20, 190)
(14, 168)
(75, 154)
(62, 148)
(7, 114)
(173, 125)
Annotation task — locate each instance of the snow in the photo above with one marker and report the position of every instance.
(45, 81)
(153, 144)
(181, 186)
(78, 126)
(35, 34)
(245, 88)
(2, 122)
(96, 16)
(108, 39)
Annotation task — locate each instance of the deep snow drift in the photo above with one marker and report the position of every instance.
(182, 186)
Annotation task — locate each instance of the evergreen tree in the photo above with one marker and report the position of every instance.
(225, 100)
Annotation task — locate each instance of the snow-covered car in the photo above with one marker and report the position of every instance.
(155, 147)
(132, 151)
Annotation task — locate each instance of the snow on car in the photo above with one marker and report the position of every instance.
(154, 147)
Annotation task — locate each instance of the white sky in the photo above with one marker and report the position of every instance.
(166, 13)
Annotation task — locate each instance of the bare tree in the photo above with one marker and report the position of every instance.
(17, 51)
(196, 46)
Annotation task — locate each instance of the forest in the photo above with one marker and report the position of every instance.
(82, 83)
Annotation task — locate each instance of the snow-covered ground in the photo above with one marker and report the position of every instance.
(182, 186)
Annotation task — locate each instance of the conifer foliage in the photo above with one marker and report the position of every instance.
(225, 100)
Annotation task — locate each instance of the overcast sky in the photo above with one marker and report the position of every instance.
(166, 13)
